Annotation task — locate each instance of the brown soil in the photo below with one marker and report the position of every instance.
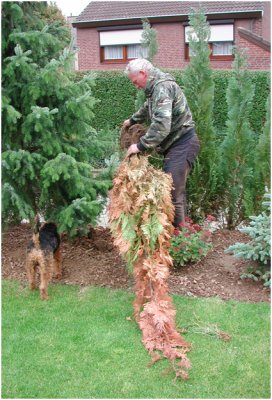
(94, 261)
(131, 135)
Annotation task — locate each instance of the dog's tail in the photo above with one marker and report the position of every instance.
(37, 224)
(36, 231)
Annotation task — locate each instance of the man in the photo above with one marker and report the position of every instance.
(171, 131)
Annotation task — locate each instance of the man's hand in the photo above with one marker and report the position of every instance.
(127, 123)
(133, 149)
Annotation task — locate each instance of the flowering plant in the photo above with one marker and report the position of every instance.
(191, 242)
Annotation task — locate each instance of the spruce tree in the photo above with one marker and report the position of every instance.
(46, 123)
(199, 90)
(238, 147)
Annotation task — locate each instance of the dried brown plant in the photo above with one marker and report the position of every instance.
(141, 214)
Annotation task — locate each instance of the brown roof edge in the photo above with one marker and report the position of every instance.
(165, 18)
(253, 38)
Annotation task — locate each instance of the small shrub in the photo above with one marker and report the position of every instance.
(191, 242)
(260, 274)
(258, 249)
(103, 145)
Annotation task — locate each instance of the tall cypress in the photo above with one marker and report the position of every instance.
(199, 90)
(263, 151)
(149, 42)
(238, 147)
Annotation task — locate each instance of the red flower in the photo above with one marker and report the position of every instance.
(192, 229)
(197, 227)
(211, 218)
(176, 231)
(187, 219)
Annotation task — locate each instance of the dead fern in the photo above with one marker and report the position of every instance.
(141, 214)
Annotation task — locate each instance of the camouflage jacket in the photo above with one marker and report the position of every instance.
(167, 111)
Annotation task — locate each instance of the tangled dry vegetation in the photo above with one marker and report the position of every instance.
(141, 215)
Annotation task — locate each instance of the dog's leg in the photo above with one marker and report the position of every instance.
(57, 263)
(46, 267)
(44, 286)
(30, 270)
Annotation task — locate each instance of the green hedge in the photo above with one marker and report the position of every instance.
(262, 89)
(117, 97)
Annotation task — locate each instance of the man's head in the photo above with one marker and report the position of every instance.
(138, 72)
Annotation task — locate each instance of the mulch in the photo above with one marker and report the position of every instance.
(93, 260)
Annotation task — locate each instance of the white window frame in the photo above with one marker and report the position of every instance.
(123, 38)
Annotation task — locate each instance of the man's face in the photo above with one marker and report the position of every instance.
(139, 80)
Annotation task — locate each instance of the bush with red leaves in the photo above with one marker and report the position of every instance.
(191, 242)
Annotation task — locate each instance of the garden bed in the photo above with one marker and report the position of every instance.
(94, 261)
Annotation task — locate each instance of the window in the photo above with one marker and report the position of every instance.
(220, 42)
(121, 46)
(222, 48)
(136, 51)
(113, 52)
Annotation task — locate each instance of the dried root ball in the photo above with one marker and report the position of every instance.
(131, 135)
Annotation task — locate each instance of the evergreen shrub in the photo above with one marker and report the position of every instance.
(199, 91)
(104, 144)
(258, 248)
(238, 149)
(48, 144)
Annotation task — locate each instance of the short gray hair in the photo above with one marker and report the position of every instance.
(137, 65)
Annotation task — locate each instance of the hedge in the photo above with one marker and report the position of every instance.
(262, 90)
(117, 97)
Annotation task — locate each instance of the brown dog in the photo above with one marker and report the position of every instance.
(43, 252)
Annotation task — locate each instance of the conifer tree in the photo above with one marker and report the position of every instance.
(238, 147)
(199, 90)
(149, 42)
(46, 123)
(262, 160)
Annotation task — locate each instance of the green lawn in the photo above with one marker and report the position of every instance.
(79, 344)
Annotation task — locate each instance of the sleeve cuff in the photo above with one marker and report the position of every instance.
(132, 121)
(141, 146)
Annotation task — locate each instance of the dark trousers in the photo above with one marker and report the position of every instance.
(178, 161)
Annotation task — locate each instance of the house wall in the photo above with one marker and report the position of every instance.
(258, 58)
(171, 51)
(267, 21)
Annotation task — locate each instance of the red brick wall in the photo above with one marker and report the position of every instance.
(171, 52)
(258, 58)
(88, 49)
(267, 21)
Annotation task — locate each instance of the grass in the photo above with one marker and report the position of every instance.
(80, 344)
